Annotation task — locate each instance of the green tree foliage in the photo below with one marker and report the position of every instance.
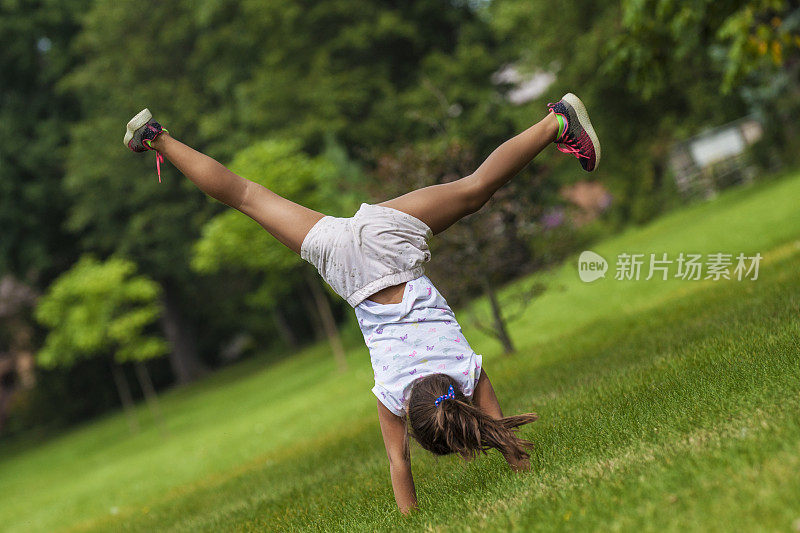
(36, 54)
(660, 36)
(729, 57)
(343, 66)
(98, 308)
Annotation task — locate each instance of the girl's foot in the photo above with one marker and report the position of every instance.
(141, 131)
(576, 135)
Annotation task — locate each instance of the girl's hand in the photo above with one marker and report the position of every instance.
(395, 438)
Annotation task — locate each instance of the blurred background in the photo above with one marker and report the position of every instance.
(114, 287)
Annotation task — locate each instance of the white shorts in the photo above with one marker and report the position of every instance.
(376, 248)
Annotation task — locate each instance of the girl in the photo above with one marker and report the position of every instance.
(429, 383)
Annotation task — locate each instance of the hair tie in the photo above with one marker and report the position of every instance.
(449, 396)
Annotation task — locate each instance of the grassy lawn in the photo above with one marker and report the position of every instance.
(664, 405)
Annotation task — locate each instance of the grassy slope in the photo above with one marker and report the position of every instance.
(663, 404)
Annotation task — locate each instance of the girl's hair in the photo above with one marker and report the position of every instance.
(457, 426)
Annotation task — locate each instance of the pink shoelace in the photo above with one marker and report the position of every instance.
(159, 156)
(569, 149)
(159, 160)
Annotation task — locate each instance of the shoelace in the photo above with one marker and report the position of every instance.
(569, 149)
(570, 146)
(159, 156)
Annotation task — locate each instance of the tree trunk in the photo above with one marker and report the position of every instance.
(313, 314)
(125, 397)
(326, 317)
(150, 395)
(497, 315)
(284, 329)
(5, 398)
(183, 357)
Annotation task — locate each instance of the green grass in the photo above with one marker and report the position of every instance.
(664, 405)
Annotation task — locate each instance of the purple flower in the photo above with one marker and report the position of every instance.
(553, 218)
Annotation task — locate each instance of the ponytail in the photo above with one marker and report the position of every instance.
(455, 425)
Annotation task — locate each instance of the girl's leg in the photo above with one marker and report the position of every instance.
(285, 220)
(440, 206)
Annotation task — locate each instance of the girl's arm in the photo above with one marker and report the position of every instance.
(486, 400)
(395, 438)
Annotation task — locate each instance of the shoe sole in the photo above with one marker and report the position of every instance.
(135, 123)
(586, 124)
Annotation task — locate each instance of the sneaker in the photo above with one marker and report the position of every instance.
(141, 131)
(578, 137)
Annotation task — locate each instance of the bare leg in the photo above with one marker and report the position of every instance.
(285, 220)
(440, 206)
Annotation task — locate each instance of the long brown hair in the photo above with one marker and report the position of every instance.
(457, 426)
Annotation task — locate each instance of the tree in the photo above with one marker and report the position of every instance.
(751, 49)
(233, 241)
(16, 336)
(36, 54)
(102, 309)
(740, 37)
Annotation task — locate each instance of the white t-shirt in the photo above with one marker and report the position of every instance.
(414, 338)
